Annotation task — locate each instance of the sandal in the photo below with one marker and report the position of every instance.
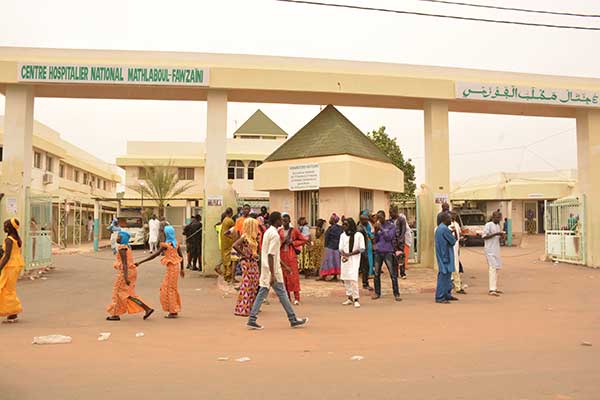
(11, 319)
(148, 313)
(171, 315)
(113, 318)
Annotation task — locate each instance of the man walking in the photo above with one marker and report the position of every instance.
(491, 236)
(153, 229)
(385, 232)
(90, 228)
(272, 276)
(444, 253)
(399, 239)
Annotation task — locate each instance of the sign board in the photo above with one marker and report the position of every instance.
(526, 94)
(214, 201)
(441, 198)
(304, 177)
(11, 206)
(112, 74)
(535, 195)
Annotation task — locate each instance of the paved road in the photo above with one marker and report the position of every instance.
(525, 345)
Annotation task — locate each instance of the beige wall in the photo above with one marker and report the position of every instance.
(381, 201)
(342, 201)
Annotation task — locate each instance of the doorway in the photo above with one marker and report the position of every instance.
(530, 216)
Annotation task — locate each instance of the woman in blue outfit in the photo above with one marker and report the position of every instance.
(366, 258)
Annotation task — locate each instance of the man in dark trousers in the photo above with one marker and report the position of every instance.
(193, 242)
(400, 222)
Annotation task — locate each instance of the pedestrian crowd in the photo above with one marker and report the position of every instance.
(268, 250)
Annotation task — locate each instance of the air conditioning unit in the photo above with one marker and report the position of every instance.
(48, 178)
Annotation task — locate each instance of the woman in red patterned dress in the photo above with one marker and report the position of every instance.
(247, 248)
(292, 241)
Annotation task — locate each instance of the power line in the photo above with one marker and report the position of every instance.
(568, 14)
(422, 14)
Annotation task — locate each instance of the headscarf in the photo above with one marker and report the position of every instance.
(335, 218)
(364, 213)
(115, 221)
(125, 238)
(170, 235)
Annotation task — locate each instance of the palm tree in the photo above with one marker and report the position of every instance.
(161, 183)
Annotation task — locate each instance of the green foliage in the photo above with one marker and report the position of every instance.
(390, 147)
(161, 183)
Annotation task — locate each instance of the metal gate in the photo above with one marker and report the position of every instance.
(565, 230)
(38, 232)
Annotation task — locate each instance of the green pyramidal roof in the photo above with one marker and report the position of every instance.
(330, 133)
(260, 124)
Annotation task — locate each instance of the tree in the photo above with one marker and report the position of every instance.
(161, 183)
(390, 147)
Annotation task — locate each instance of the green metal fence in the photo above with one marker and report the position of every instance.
(38, 232)
(565, 230)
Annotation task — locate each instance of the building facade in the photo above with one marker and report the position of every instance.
(345, 171)
(251, 144)
(65, 180)
(519, 196)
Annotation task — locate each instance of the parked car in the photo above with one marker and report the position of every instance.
(472, 223)
(134, 225)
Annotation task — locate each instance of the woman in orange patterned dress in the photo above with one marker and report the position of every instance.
(10, 268)
(124, 299)
(173, 261)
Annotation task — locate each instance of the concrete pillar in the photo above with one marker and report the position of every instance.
(188, 212)
(588, 168)
(97, 212)
(437, 175)
(215, 171)
(15, 179)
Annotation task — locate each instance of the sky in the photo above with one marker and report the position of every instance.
(479, 144)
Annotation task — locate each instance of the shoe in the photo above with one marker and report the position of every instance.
(461, 291)
(296, 303)
(369, 288)
(375, 297)
(299, 323)
(356, 304)
(403, 277)
(442, 301)
(499, 291)
(348, 302)
(397, 298)
(494, 293)
(254, 326)
(452, 298)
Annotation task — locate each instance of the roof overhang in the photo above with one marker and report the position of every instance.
(335, 172)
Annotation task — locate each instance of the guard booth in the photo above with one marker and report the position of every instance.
(38, 232)
(565, 230)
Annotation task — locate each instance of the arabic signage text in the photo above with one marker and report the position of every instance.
(527, 94)
(112, 74)
(304, 177)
